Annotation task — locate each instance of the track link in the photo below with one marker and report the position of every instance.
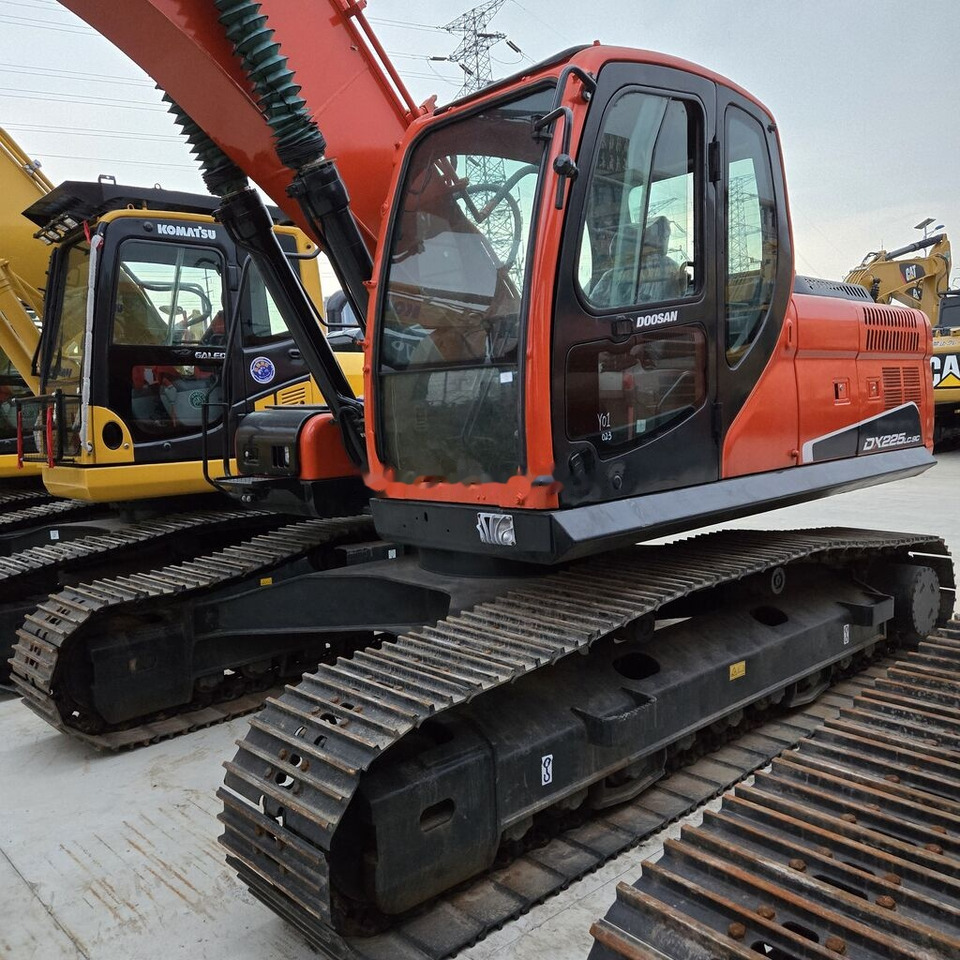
(29, 513)
(64, 556)
(295, 773)
(848, 845)
(24, 497)
(50, 630)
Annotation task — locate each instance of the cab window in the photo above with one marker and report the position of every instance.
(640, 237)
(168, 294)
(260, 319)
(751, 214)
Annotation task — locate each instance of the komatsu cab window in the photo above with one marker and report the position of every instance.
(261, 321)
(168, 294)
(451, 321)
(168, 298)
(639, 242)
(751, 212)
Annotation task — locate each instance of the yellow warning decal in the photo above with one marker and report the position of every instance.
(266, 581)
(738, 669)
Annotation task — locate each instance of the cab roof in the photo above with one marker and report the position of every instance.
(74, 202)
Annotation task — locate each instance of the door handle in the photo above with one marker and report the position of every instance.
(294, 354)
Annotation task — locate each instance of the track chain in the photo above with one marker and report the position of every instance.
(24, 497)
(318, 737)
(63, 555)
(849, 845)
(47, 511)
(49, 630)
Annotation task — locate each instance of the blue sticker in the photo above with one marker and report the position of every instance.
(262, 369)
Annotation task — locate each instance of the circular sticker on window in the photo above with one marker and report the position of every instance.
(197, 399)
(262, 369)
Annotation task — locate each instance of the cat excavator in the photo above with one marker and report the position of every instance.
(582, 329)
(918, 275)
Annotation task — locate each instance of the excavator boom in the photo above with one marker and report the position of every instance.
(21, 183)
(354, 94)
(23, 259)
(908, 275)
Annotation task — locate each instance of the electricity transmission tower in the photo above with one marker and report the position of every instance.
(485, 173)
(738, 256)
(473, 53)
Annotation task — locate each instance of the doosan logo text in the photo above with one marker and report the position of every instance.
(655, 319)
(194, 233)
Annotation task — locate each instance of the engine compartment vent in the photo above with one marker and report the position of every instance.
(293, 395)
(891, 330)
(901, 385)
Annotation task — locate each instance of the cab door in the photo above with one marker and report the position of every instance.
(156, 337)
(267, 366)
(636, 311)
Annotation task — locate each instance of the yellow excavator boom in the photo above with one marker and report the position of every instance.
(21, 183)
(23, 259)
(915, 281)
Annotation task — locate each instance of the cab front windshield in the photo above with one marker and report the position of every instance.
(451, 316)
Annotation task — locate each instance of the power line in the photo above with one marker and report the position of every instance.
(47, 25)
(51, 8)
(71, 98)
(73, 75)
(541, 21)
(139, 163)
(99, 133)
(407, 24)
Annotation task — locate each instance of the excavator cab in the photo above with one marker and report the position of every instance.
(157, 340)
(585, 329)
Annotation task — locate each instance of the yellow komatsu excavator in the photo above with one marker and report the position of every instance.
(918, 275)
(135, 338)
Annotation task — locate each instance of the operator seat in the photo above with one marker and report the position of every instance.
(659, 278)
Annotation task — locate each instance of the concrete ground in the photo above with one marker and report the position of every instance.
(116, 858)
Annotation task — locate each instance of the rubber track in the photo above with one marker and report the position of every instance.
(434, 669)
(57, 620)
(849, 845)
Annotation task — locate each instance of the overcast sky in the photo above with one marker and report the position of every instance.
(861, 93)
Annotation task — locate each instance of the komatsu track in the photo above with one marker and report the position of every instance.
(296, 775)
(28, 575)
(22, 511)
(53, 639)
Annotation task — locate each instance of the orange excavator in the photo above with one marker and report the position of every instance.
(582, 329)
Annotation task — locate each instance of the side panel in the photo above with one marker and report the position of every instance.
(764, 436)
(827, 382)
